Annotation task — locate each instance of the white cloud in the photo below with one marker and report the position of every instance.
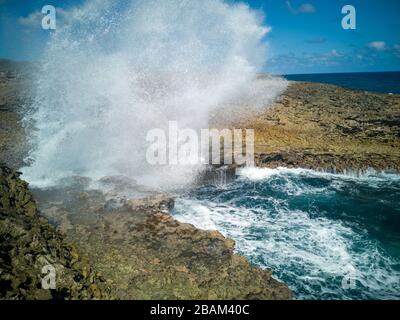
(377, 45)
(308, 60)
(307, 8)
(32, 20)
(303, 8)
(335, 53)
(396, 50)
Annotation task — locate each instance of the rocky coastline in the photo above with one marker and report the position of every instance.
(325, 127)
(105, 247)
(144, 253)
(102, 246)
(28, 243)
(134, 250)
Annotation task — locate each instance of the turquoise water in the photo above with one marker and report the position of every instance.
(327, 236)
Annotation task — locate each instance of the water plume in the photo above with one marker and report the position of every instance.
(113, 71)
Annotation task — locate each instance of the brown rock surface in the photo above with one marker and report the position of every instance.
(28, 243)
(322, 126)
(144, 253)
(13, 145)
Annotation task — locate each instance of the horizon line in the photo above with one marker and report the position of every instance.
(262, 72)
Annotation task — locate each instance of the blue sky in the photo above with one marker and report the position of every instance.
(306, 35)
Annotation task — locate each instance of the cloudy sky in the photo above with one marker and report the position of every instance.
(306, 37)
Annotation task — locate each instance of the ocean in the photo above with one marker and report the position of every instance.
(327, 236)
(382, 82)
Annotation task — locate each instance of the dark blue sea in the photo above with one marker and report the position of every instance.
(327, 236)
(383, 82)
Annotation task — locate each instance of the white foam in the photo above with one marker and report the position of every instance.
(310, 247)
(259, 174)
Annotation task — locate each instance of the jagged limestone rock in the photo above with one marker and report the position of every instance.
(324, 127)
(28, 243)
(144, 253)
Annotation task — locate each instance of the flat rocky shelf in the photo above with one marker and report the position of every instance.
(324, 127)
